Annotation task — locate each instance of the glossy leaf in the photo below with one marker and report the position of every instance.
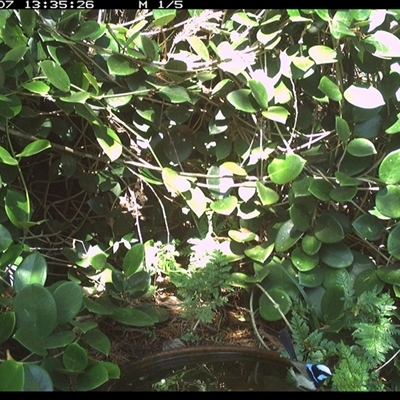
(261, 252)
(332, 304)
(133, 259)
(368, 227)
(336, 255)
(36, 87)
(98, 340)
(68, 297)
(327, 229)
(219, 186)
(247, 191)
(388, 201)
(266, 195)
(322, 54)
(56, 75)
(328, 87)
(108, 141)
(320, 188)
(268, 310)
(367, 281)
(37, 379)
(242, 100)
(5, 238)
(178, 146)
(383, 44)
(174, 182)
(130, 316)
(33, 269)
(29, 338)
(34, 306)
(343, 193)
(6, 157)
(393, 242)
(225, 206)
(175, 94)
(389, 169)
(7, 324)
(163, 16)
(312, 278)
(285, 168)
(120, 65)
(302, 261)
(276, 113)
(368, 129)
(389, 275)
(59, 339)
(91, 379)
(310, 244)
(75, 358)
(364, 96)
(342, 129)
(361, 147)
(259, 92)
(11, 376)
(287, 236)
(300, 216)
(199, 47)
(241, 236)
(196, 200)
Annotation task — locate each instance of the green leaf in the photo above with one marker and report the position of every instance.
(266, 195)
(303, 261)
(196, 200)
(368, 227)
(33, 269)
(242, 100)
(35, 308)
(11, 376)
(56, 75)
(97, 307)
(5, 238)
(175, 94)
(31, 340)
(393, 242)
(276, 113)
(59, 339)
(17, 208)
(389, 275)
(37, 379)
(13, 57)
(36, 87)
(343, 193)
(383, 44)
(98, 340)
(287, 236)
(322, 54)
(91, 379)
(174, 182)
(389, 169)
(300, 216)
(361, 147)
(6, 157)
(81, 97)
(328, 87)
(311, 279)
(89, 30)
(366, 97)
(388, 201)
(75, 358)
(367, 281)
(327, 229)
(98, 204)
(7, 324)
(332, 304)
(108, 141)
(310, 244)
(28, 21)
(285, 168)
(199, 47)
(234, 168)
(219, 187)
(132, 317)
(268, 310)
(342, 129)
(225, 206)
(336, 255)
(35, 147)
(120, 65)
(259, 92)
(241, 236)
(163, 17)
(133, 259)
(10, 106)
(261, 252)
(68, 297)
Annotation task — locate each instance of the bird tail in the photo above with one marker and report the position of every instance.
(286, 340)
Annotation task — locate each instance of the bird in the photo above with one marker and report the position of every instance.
(309, 376)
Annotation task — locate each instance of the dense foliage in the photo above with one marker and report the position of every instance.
(259, 146)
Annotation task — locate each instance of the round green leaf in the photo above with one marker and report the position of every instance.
(276, 113)
(345, 180)
(328, 87)
(259, 92)
(302, 261)
(75, 358)
(108, 141)
(68, 297)
(327, 229)
(242, 100)
(300, 216)
(246, 191)
(175, 94)
(266, 195)
(332, 304)
(34, 306)
(389, 169)
(322, 54)
(287, 236)
(56, 75)
(132, 317)
(367, 281)
(59, 339)
(36, 87)
(177, 146)
(37, 379)
(6, 157)
(115, 97)
(31, 340)
(364, 96)
(219, 187)
(368, 129)
(285, 168)
(368, 227)
(91, 379)
(361, 147)
(11, 376)
(336, 255)
(320, 188)
(5, 238)
(343, 193)
(241, 236)
(388, 201)
(174, 182)
(225, 206)
(120, 65)
(261, 252)
(310, 244)
(196, 200)
(383, 44)
(342, 129)
(268, 310)
(311, 279)
(133, 259)
(390, 274)
(33, 269)
(393, 242)
(98, 204)
(199, 47)
(7, 324)
(98, 340)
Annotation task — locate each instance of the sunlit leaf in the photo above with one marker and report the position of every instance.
(285, 168)
(56, 75)
(389, 169)
(322, 54)
(364, 96)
